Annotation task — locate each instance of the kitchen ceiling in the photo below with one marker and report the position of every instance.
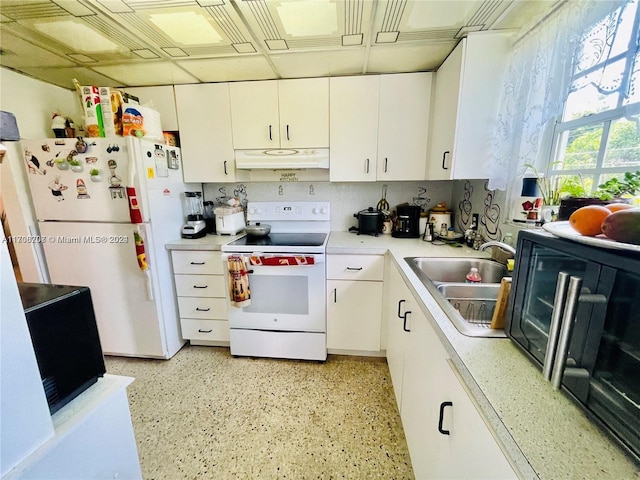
(158, 42)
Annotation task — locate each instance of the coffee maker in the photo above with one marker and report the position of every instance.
(408, 221)
(195, 227)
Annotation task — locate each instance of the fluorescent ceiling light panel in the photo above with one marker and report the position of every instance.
(77, 35)
(440, 14)
(309, 18)
(187, 28)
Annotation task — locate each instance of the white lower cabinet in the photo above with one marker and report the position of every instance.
(354, 303)
(202, 296)
(446, 435)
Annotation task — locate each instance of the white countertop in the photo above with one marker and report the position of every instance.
(545, 433)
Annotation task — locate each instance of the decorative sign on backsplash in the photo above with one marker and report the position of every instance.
(288, 177)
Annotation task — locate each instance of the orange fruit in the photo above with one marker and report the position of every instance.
(614, 207)
(588, 220)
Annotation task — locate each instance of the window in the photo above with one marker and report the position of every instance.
(598, 136)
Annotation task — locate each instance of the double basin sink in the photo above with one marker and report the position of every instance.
(469, 306)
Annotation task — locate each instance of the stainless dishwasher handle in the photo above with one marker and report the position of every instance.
(556, 322)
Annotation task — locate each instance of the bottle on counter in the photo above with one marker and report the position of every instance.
(473, 276)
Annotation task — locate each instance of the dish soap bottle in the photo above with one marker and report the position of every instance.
(473, 276)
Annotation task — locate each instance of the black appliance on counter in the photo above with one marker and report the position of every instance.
(575, 310)
(65, 339)
(407, 224)
(370, 222)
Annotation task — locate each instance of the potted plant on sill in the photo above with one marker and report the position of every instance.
(613, 190)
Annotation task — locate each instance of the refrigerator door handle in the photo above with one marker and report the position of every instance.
(556, 322)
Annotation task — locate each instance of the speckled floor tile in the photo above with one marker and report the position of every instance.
(205, 414)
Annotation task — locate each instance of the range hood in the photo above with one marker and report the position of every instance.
(282, 159)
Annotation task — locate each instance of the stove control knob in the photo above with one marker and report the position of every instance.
(316, 210)
(323, 210)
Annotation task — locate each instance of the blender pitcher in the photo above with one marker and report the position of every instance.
(195, 227)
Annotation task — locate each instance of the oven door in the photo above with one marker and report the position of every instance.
(283, 297)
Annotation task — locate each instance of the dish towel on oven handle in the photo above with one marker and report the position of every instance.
(239, 292)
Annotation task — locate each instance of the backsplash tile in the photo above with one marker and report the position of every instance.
(345, 198)
(473, 196)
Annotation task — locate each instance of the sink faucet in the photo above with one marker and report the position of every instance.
(502, 245)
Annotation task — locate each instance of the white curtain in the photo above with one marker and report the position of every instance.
(536, 85)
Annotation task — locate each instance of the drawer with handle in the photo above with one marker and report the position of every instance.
(355, 267)
(205, 308)
(208, 330)
(201, 286)
(197, 262)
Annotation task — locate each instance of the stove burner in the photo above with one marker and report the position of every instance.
(282, 240)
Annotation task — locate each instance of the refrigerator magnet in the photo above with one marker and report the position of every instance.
(81, 189)
(57, 188)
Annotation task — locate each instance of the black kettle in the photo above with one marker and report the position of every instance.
(370, 221)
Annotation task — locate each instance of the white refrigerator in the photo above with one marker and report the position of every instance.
(80, 196)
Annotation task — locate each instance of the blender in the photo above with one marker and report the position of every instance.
(195, 227)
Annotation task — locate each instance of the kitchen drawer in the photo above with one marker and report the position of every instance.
(198, 262)
(201, 286)
(355, 267)
(208, 330)
(204, 308)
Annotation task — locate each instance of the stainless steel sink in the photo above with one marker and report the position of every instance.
(469, 306)
(456, 269)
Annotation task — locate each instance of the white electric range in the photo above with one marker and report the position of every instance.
(277, 283)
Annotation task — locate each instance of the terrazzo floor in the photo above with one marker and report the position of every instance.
(204, 414)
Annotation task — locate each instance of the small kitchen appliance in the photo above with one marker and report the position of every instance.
(229, 220)
(408, 221)
(370, 221)
(284, 315)
(440, 215)
(195, 227)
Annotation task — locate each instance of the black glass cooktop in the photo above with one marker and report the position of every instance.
(282, 240)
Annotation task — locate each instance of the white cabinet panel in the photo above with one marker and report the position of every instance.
(201, 286)
(466, 100)
(353, 315)
(403, 126)
(354, 128)
(355, 267)
(280, 113)
(204, 113)
(197, 262)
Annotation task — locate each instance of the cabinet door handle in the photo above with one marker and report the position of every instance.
(270, 138)
(556, 322)
(225, 167)
(202, 330)
(201, 286)
(399, 305)
(444, 156)
(335, 295)
(443, 405)
(198, 309)
(288, 132)
(357, 269)
(385, 164)
(197, 263)
(404, 321)
(366, 166)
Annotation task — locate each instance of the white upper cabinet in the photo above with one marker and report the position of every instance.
(354, 128)
(205, 132)
(403, 126)
(379, 127)
(160, 99)
(465, 105)
(280, 113)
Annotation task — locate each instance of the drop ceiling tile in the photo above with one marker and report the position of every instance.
(20, 54)
(246, 67)
(408, 58)
(320, 64)
(147, 73)
(63, 76)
